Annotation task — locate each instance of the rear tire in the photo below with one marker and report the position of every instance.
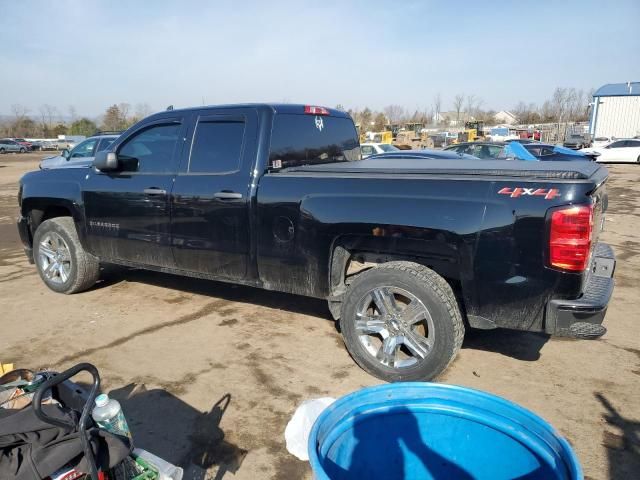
(419, 334)
(62, 263)
(2, 151)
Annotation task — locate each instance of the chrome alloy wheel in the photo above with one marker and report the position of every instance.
(394, 327)
(54, 258)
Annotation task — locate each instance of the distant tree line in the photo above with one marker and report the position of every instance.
(50, 122)
(565, 105)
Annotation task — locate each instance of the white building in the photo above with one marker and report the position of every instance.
(615, 111)
(506, 117)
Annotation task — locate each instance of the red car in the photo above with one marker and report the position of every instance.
(24, 143)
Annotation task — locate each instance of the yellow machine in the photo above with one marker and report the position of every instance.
(473, 132)
(383, 137)
(469, 135)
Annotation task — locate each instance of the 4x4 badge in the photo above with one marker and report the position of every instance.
(547, 193)
(319, 123)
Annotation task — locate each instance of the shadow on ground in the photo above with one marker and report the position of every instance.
(623, 450)
(175, 431)
(516, 344)
(113, 275)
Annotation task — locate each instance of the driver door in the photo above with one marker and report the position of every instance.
(128, 216)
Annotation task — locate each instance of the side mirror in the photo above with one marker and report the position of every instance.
(65, 153)
(105, 161)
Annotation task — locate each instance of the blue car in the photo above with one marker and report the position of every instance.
(544, 152)
(530, 151)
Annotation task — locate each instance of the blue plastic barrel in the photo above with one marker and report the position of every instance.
(435, 431)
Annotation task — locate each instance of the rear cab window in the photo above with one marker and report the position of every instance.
(298, 140)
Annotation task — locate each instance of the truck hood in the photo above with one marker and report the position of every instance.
(61, 162)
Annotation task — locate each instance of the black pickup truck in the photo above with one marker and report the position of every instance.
(409, 249)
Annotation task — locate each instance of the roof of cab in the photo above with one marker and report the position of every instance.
(288, 108)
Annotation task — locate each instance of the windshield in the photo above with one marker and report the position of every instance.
(385, 147)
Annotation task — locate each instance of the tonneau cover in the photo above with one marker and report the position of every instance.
(415, 164)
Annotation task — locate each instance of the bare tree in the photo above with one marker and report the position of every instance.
(47, 115)
(124, 108)
(395, 113)
(437, 108)
(559, 103)
(471, 105)
(19, 111)
(143, 110)
(458, 101)
(72, 113)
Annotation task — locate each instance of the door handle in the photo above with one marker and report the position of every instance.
(154, 191)
(227, 195)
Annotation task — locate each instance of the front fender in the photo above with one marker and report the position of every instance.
(44, 194)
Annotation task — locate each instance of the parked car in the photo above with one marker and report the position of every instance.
(519, 150)
(547, 152)
(522, 140)
(482, 150)
(602, 141)
(576, 141)
(406, 249)
(622, 150)
(24, 143)
(49, 145)
(81, 155)
(368, 149)
(66, 143)
(8, 145)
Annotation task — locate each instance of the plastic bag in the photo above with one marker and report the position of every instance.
(298, 429)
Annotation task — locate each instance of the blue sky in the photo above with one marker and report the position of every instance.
(93, 53)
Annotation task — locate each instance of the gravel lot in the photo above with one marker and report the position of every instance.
(209, 373)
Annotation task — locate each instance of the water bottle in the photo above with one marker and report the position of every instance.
(108, 415)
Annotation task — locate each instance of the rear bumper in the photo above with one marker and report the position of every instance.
(583, 316)
(25, 237)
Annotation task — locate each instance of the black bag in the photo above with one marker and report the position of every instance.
(40, 439)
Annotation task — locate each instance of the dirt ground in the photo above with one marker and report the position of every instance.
(209, 373)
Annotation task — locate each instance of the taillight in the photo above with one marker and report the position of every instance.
(570, 237)
(315, 110)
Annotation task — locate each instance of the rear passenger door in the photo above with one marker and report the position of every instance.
(210, 199)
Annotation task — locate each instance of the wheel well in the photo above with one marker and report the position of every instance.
(347, 263)
(39, 215)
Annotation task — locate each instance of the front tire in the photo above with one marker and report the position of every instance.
(401, 321)
(62, 263)
(23, 150)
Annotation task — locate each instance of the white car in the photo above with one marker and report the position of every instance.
(602, 141)
(622, 150)
(368, 149)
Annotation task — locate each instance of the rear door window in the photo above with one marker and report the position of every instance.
(310, 140)
(217, 146)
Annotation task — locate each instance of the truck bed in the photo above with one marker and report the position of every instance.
(416, 163)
